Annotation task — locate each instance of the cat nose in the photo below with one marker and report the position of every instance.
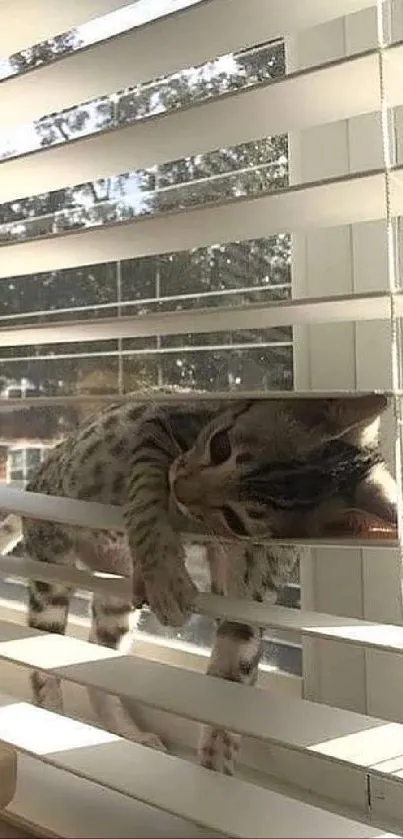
(186, 489)
(179, 488)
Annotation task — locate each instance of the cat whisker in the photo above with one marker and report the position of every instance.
(173, 438)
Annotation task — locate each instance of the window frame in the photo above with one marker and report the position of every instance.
(23, 447)
(321, 681)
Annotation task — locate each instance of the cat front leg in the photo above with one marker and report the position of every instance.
(155, 545)
(237, 648)
(110, 627)
(236, 654)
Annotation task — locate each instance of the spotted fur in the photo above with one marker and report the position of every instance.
(241, 471)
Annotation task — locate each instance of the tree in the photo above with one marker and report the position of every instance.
(206, 273)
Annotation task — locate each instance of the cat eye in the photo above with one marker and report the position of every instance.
(220, 448)
(234, 522)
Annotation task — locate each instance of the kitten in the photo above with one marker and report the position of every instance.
(242, 471)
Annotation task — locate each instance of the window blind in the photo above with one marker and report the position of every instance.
(162, 146)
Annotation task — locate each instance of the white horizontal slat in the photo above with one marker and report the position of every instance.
(54, 803)
(384, 637)
(28, 22)
(333, 202)
(89, 514)
(339, 740)
(62, 510)
(140, 397)
(183, 39)
(198, 349)
(363, 307)
(29, 569)
(167, 783)
(337, 91)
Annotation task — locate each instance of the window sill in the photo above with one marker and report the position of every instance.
(53, 803)
(176, 732)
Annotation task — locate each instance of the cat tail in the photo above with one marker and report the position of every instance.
(10, 533)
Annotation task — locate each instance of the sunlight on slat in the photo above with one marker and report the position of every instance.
(365, 748)
(19, 726)
(376, 634)
(236, 808)
(49, 651)
(339, 734)
(390, 767)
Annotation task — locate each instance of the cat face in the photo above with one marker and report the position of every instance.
(304, 468)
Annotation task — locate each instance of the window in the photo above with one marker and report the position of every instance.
(222, 210)
(231, 274)
(21, 462)
(18, 389)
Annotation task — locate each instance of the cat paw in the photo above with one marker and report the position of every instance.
(127, 729)
(171, 594)
(218, 750)
(152, 741)
(139, 594)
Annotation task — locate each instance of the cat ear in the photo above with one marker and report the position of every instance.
(373, 511)
(331, 418)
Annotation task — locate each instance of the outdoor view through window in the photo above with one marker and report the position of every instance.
(230, 274)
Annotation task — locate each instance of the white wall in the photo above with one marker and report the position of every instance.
(356, 583)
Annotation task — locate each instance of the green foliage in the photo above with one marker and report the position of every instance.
(240, 267)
